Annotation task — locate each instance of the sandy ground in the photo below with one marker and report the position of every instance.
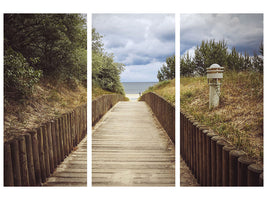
(133, 97)
(186, 176)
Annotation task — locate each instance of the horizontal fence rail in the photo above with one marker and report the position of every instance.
(212, 160)
(164, 111)
(102, 104)
(30, 158)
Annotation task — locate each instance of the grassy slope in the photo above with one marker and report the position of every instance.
(239, 117)
(97, 92)
(165, 89)
(47, 102)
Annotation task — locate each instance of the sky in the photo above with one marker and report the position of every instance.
(140, 41)
(242, 31)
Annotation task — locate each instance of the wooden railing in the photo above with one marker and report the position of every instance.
(213, 160)
(102, 104)
(31, 157)
(164, 111)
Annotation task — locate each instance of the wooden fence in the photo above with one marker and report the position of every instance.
(164, 111)
(102, 104)
(30, 158)
(212, 160)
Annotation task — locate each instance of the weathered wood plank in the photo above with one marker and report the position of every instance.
(130, 148)
(73, 170)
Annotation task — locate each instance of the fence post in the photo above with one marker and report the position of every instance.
(50, 147)
(225, 164)
(54, 142)
(181, 134)
(219, 166)
(64, 134)
(261, 179)
(14, 144)
(8, 169)
(243, 163)
(205, 159)
(58, 138)
(61, 139)
(36, 158)
(208, 142)
(72, 129)
(214, 160)
(233, 163)
(69, 132)
(41, 154)
(201, 155)
(254, 171)
(196, 147)
(31, 170)
(23, 161)
(46, 150)
(194, 151)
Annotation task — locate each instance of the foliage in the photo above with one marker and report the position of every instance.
(210, 52)
(105, 72)
(167, 72)
(186, 65)
(19, 76)
(59, 41)
(258, 59)
(97, 45)
(98, 91)
(165, 89)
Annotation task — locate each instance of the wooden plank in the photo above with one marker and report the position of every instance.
(73, 170)
(130, 148)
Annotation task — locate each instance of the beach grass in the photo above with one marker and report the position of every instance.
(165, 89)
(239, 116)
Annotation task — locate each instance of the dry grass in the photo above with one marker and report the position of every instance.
(239, 117)
(47, 102)
(165, 89)
(97, 91)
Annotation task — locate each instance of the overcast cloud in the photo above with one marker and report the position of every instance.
(242, 31)
(140, 41)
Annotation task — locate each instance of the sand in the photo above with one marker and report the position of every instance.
(132, 97)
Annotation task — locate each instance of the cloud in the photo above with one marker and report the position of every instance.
(191, 51)
(243, 31)
(137, 39)
(141, 73)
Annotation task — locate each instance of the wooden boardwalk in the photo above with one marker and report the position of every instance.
(129, 148)
(73, 170)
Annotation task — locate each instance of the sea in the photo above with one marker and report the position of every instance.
(136, 87)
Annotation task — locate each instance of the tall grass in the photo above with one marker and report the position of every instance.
(165, 89)
(239, 117)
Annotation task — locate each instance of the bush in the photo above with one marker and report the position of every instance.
(19, 76)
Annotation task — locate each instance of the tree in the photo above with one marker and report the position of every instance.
(233, 60)
(58, 41)
(105, 72)
(187, 66)
(258, 59)
(247, 62)
(167, 72)
(208, 53)
(97, 45)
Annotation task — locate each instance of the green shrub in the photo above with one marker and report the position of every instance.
(19, 77)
